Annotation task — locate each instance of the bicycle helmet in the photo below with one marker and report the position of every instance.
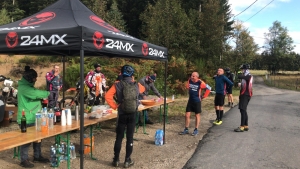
(227, 70)
(245, 66)
(127, 70)
(152, 78)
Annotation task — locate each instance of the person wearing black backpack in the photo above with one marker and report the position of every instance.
(230, 76)
(127, 92)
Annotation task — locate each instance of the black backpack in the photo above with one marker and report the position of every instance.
(130, 97)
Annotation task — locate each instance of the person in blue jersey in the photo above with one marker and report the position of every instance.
(221, 82)
(245, 96)
(195, 86)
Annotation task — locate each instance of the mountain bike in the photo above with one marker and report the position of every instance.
(72, 101)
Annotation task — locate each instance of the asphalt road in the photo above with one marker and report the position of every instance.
(273, 139)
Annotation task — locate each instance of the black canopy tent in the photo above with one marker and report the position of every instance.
(69, 28)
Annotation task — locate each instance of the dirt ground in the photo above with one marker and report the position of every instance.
(172, 155)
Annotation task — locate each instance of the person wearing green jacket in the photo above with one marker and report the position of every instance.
(29, 100)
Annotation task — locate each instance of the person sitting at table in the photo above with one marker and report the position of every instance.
(148, 83)
(127, 91)
(29, 100)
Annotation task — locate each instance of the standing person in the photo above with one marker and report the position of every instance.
(126, 91)
(230, 76)
(29, 99)
(148, 83)
(221, 82)
(245, 96)
(96, 82)
(195, 86)
(54, 85)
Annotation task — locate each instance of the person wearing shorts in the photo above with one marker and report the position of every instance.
(230, 76)
(195, 86)
(221, 82)
(245, 96)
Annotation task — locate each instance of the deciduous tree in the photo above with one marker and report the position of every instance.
(278, 46)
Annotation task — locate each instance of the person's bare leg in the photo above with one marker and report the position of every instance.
(197, 120)
(187, 119)
(229, 99)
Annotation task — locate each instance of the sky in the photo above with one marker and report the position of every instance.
(285, 11)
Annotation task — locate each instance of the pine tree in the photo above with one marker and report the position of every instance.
(115, 17)
(4, 18)
(211, 27)
(131, 11)
(225, 11)
(99, 7)
(13, 10)
(167, 24)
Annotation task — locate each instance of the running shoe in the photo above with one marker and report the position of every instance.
(239, 129)
(216, 121)
(128, 162)
(185, 131)
(195, 133)
(219, 122)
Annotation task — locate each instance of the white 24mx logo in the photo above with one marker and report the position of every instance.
(119, 45)
(155, 52)
(41, 39)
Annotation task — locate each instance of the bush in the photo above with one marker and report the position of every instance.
(16, 72)
(72, 75)
(26, 60)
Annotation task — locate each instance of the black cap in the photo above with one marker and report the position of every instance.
(97, 65)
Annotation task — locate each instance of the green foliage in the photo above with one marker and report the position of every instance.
(26, 60)
(167, 24)
(211, 26)
(115, 17)
(225, 12)
(99, 7)
(72, 75)
(278, 47)
(131, 10)
(42, 61)
(14, 12)
(245, 48)
(4, 18)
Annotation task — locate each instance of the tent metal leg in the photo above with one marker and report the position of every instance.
(81, 148)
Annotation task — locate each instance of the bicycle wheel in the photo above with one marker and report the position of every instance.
(68, 102)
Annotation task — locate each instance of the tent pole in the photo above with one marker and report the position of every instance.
(165, 96)
(63, 87)
(81, 106)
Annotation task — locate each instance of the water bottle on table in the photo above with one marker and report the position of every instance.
(51, 119)
(38, 121)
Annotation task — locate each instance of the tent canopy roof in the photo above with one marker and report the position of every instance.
(66, 27)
